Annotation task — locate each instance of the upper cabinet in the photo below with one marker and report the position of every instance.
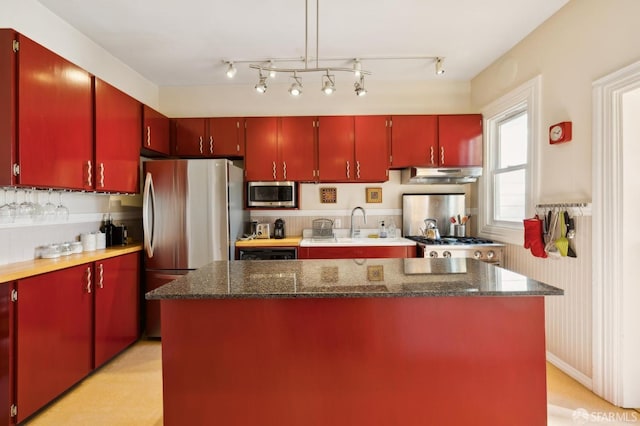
(155, 133)
(46, 117)
(414, 141)
(353, 149)
(436, 140)
(209, 137)
(118, 119)
(280, 148)
(460, 140)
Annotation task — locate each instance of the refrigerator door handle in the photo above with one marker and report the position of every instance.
(148, 214)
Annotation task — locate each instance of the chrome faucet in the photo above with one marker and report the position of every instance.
(364, 215)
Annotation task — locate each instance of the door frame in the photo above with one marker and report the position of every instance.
(608, 284)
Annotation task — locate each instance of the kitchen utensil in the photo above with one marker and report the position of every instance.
(550, 247)
(561, 242)
(431, 230)
(571, 234)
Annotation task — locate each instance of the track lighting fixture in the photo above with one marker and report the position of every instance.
(439, 66)
(231, 70)
(261, 87)
(329, 84)
(359, 85)
(272, 69)
(296, 86)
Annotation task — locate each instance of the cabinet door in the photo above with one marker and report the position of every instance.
(118, 129)
(191, 140)
(460, 139)
(297, 145)
(227, 135)
(53, 339)
(336, 149)
(6, 353)
(414, 141)
(116, 306)
(371, 148)
(261, 149)
(155, 132)
(55, 119)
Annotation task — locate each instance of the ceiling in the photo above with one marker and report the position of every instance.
(179, 43)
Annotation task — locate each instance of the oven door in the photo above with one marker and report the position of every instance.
(288, 253)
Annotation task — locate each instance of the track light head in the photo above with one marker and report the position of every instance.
(231, 70)
(296, 86)
(272, 71)
(359, 87)
(261, 87)
(329, 84)
(439, 66)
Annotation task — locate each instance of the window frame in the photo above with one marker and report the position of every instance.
(525, 98)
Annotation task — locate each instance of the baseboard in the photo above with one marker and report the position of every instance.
(580, 377)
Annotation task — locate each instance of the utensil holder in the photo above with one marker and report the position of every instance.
(459, 230)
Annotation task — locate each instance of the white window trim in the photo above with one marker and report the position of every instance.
(528, 94)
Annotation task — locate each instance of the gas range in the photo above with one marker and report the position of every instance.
(477, 248)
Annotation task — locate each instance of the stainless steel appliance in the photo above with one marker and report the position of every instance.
(419, 209)
(192, 215)
(278, 229)
(276, 253)
(272, 194)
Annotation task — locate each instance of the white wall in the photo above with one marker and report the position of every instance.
(585, 40)
(631, 249)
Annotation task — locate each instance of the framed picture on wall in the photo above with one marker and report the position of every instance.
(374, 195)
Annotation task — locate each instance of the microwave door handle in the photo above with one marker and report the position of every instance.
(148, 214)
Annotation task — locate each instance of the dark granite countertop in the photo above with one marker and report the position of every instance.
(415, 277)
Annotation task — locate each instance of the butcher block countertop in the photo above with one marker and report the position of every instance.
(29, 268)
(270, 242)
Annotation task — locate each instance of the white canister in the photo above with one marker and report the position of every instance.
(101, 240)
(88, 242)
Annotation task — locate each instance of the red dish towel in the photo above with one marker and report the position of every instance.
(533, 236)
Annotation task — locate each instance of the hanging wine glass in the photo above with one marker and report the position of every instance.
(49, 209)
(7, 211)
(25, 208)
(38, 209)
(62, 212)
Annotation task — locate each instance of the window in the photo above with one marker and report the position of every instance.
(506, 190)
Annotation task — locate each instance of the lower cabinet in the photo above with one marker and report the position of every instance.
(69, 322)
(6, 353)
(356, 252)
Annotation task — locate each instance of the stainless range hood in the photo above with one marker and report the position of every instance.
(445, 175)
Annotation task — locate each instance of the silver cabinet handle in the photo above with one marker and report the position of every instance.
(101, 280)
(89, 279)
(102, 175)
(357, 169)
(284, 170)
(201, 152)
(148, 135)
(89, 171)
(348, 171)
(148, 215)
(211, 144)
(442, 155)
(274, 170)
(431, 150)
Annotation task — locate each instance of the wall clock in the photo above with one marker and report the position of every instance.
(560, 132)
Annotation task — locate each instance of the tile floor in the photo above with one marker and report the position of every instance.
(128, 391)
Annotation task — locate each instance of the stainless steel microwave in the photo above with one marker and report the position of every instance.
(272, 194)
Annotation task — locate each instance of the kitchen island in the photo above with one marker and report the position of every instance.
(354, 342)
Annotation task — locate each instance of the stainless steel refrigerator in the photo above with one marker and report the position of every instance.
(192, 215)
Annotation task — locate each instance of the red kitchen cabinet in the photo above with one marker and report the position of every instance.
(227, 134)
(116, 306)
(6, 353)
(53, 338)
(155, 133)
(46, 117)
(414, 141)
(371, 148)
(261, 154)
(353, 149)
(356, 252)
(280, 148)
(208, 137)
(118, 119)
(460, 140)
(297, 148)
